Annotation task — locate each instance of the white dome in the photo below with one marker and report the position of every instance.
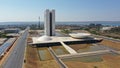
(44, 38)
(79, 35)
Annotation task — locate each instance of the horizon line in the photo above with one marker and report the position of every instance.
(60, 21)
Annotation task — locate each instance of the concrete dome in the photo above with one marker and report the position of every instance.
(44, 38)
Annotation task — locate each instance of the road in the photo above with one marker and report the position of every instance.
(16, 58)
(83, 54)
(108, 38)
(69, 49)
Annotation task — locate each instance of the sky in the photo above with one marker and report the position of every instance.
(66, 10)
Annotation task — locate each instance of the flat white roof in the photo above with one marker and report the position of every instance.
(13, 34)
(2, 40)
(55, 39)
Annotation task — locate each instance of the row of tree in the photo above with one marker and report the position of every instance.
(2, 35)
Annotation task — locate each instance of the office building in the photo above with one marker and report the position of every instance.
(49, 24)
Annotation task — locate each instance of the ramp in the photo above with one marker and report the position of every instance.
(69, 49)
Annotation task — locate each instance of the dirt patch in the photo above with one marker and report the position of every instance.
(75, 64)
(76, 47)
(86, 59)
(33, 60)
(115, 45)
(109, 61)
(112, 61)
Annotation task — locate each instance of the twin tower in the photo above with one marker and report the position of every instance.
(49, 23)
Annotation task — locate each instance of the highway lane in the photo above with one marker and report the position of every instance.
(15, 60)
(107, 38)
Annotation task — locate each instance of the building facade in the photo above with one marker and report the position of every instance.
(49, 24)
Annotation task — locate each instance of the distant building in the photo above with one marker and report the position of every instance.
(11, 30)
(39, 23)
(2, 40)
(49, 24)
(106, 28)
(1, 28)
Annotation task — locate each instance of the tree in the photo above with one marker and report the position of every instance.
(2, 35)
(66, 31)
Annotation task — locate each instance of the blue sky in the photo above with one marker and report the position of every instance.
(66, 10)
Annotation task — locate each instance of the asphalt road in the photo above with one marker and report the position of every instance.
(16, 58)
(108, 38)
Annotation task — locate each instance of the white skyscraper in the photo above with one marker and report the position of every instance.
(49, 25)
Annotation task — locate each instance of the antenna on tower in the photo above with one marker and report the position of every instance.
(39, 22)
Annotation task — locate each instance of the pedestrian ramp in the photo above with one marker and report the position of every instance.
(69, 49)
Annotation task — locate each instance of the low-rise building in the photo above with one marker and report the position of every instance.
(106, 28)
(11, 30)
(2, 40)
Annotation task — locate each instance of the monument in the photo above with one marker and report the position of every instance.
(49, 25)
